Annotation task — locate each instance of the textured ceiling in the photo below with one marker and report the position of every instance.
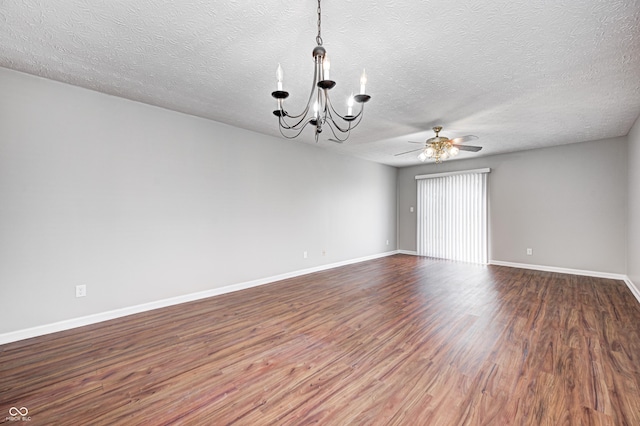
(519, 74)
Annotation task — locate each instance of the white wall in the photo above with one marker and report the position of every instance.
(143, 204)
(567, 203)
(633, 211)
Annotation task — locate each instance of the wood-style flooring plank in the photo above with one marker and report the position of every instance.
(401, 340)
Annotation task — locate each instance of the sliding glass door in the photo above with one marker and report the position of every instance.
(452, 216)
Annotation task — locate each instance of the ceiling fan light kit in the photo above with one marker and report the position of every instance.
(319, 110)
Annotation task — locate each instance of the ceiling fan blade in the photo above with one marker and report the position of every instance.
(464, 139)
(413, 150)
(469, 148)
(415, 142)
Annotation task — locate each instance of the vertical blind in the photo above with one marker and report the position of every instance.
(452, 216)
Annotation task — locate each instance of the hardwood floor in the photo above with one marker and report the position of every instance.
(401, 340)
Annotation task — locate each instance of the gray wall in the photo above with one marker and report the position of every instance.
(143, 204)
(567, 203)
(633, 212)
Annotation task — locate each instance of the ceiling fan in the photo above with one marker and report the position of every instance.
(441, 147)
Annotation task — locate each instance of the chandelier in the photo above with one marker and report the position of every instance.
(438, 148)
(319, 111)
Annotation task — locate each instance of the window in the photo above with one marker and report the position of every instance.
(452, 216)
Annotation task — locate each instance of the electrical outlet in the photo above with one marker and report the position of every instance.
(81, 290)
(387, 242)
(324, 252)
(529, 252)
(304, 254)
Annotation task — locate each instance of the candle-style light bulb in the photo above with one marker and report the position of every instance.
(326, 66)
(363, 82)
(279, 76)
(315, 109)
(350, 105)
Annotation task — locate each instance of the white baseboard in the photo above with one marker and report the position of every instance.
(28, 333)
(609, 275)
(409, 252)
(560, 270)
(634, 289)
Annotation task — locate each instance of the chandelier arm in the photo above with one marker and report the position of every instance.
(303, 114)
(285, 125)
(332, 122)
(357, 117)
(345, 130)
(353, 123)
(335, 135)
(298, 130)
(333, 110)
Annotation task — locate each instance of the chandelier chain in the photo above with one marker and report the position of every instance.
(319, 37)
